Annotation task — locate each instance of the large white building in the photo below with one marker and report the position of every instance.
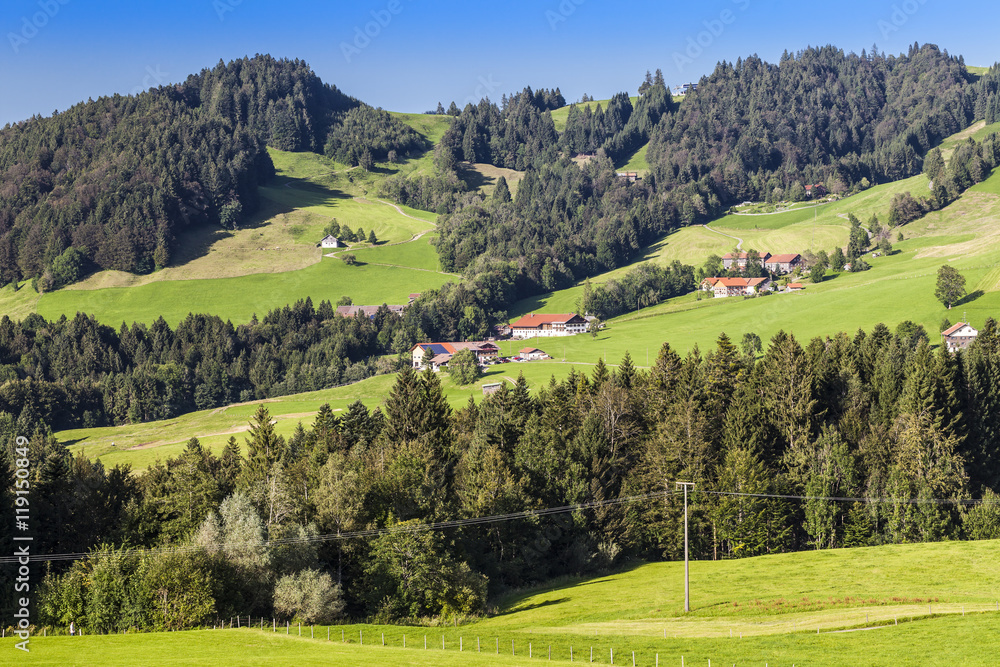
(533, 325)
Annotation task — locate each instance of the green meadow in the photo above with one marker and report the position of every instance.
(915, 604)
(237, 299)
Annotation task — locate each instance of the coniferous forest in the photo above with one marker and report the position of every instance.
(875, 415)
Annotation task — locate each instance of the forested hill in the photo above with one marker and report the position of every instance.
(110, 183)
(817, 116)
(751, 130)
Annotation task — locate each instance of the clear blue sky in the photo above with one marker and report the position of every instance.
(55, 53)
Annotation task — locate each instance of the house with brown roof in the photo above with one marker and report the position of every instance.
(959, 336)
(723, 287)
(532, 354)
(794, 287)
(485, 351)
(549, 325)
(817, 190)
(740, 259)
(783, 263)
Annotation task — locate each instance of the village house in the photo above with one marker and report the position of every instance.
(959, 336)
(630, 176)
(532, 354)
(817, 190)
(723, 287)
(794, 287)
(369, 311)
(443, 352)
(740, 260)
(330, 241)
(783, 263)
(549, 325)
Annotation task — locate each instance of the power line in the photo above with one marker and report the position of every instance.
(495, 518)
(371, 532)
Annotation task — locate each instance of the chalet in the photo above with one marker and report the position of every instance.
(723, 287)
(413, 296)
(740, 259)
(330, 241)
(783, 263)
(443, 352)
(959, 336)
(794, 287)
(532, 353)
(817, 190)
(683, 89)
(369, 311)
(548, 325)
(630, 176)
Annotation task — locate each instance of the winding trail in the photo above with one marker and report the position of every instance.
(739, 245)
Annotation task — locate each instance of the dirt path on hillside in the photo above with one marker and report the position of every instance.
(738, 245)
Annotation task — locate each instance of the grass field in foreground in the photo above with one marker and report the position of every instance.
(773, 605)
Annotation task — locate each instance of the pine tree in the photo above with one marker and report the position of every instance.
(264, 449)
(501, 193)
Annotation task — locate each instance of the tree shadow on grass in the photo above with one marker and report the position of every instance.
(970, 297)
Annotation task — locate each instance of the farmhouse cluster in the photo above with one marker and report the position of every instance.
(773, 265)
(437, 355)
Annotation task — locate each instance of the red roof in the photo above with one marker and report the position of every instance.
(795, 286)
(952, 329)
(529, 350)
(783, 259)
(532, 321)
(738, 282)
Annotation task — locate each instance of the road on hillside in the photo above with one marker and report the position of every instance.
(739, 245)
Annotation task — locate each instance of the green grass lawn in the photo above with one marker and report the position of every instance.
(637, 161)
(919, 604)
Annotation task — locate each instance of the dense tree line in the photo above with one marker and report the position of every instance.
(365, 130)
(564, 223)
(646, 285)
(752, 130)
(515, 136)
(77, 372)
(876, 415)
(988, 95)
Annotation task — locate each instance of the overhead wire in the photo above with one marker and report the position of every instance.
(484, 520)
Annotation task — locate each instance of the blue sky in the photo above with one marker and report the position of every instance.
(55, 53)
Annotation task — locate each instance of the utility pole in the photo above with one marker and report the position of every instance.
(687, 579)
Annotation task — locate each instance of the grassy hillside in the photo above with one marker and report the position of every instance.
(271, 261)
(140, 445)
(897, 288)
(922, 604)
